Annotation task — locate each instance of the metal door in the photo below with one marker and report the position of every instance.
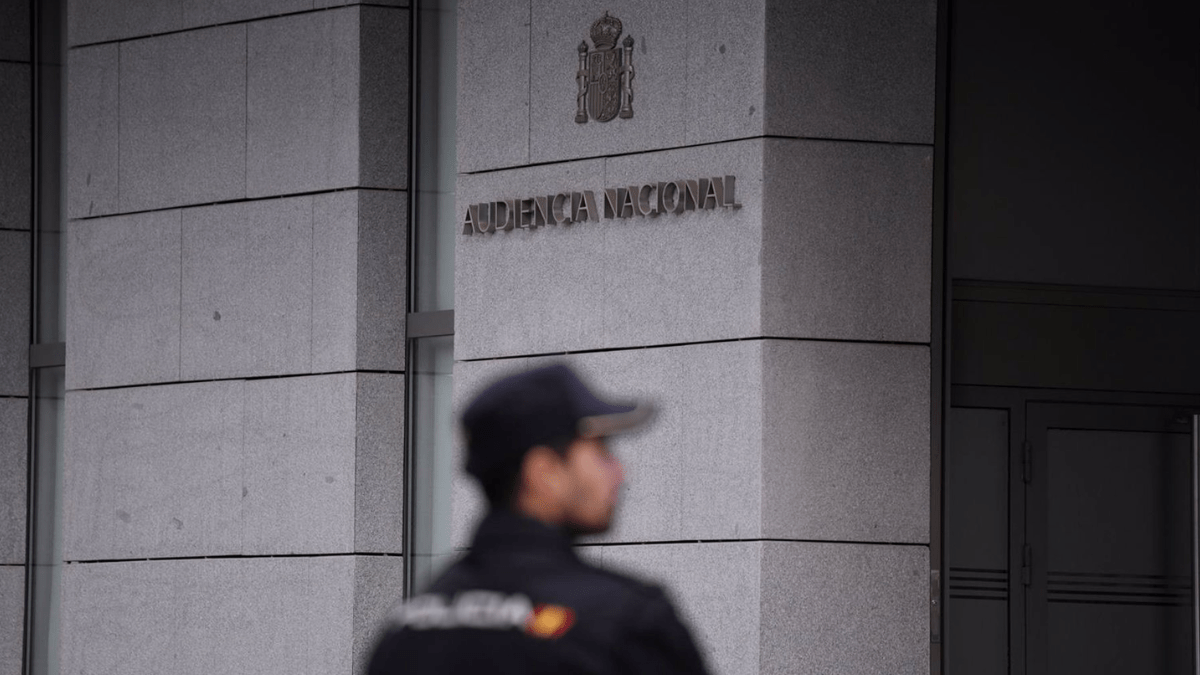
(1069, 539)
(1108, 562)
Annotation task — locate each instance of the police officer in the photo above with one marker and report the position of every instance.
(521, 601)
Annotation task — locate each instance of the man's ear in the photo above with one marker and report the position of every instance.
(542, 473)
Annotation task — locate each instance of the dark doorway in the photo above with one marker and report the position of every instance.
(1072, 222)
(1069, 535)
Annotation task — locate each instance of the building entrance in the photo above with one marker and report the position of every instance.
(1069, 544)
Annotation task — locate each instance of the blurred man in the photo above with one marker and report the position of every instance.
(521, 601)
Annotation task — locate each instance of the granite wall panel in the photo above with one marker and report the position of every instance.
(12, 619)
(153, 472)
(698, 78)
(14, 307)
(617, 282)
(14, 451)
(379, 463)
(715, 587)
(183, 118)
(15, 145)
(92, 130)
(847, 247)
(382, 264)
(298, 465)
(383, 104)
(258, 615)
(845, 455)
(247, 289)
(844, 608)
(123, 300)
(14, 30)
(660, 60)
(494, 63)
(91, 21)
(378, 586)
(302, 103)
(694, 472)
(852, 70)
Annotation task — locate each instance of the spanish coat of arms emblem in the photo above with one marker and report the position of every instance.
(605, 74)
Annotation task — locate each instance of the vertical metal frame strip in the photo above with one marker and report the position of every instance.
(414, 67)
(940, 298)
(1196, 543)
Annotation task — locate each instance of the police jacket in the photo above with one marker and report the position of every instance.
(521, 601)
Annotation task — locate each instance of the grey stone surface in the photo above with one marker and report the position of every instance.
(195, 13)
(12, 618)
(695, 472)
(14, 30)
(105, 20)
(15, 146)
(493, 84)
(623, 282)
(383, 102)
(296, 465)
(14, 452)
(844, 608)
(183, 118)
(725, 70)
(379, 464)
(298, 470)
(862, 69)
(716, 590)
(247, 289)
(382, 279)
(92, 130)
(194, 617)
(845, 441)
(123, 286)
(378, 584)
(318, 4)
(660, 59)
(153, 472)
(698, 76)
(14, 307)
(335, 273)
(846, 240)
(302, 127)
(359, 280)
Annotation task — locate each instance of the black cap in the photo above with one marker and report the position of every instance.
(544, 405)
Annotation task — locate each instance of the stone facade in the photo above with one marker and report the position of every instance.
(237, 230)
(232, 483)
(783, 492)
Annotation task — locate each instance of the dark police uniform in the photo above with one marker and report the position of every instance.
(522, 602)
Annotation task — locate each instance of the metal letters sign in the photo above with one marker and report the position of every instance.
(605, 74)
(581, 206)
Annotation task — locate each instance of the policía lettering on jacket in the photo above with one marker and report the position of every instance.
(487, 610)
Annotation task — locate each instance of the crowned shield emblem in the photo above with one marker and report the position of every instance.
(605, 75)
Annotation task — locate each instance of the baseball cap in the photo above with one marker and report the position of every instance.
(544, 405)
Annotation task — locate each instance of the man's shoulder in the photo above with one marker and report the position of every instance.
(580, 583)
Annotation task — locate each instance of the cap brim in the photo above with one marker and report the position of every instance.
(597, 426)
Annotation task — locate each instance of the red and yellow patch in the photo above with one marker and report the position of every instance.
(549, 621)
